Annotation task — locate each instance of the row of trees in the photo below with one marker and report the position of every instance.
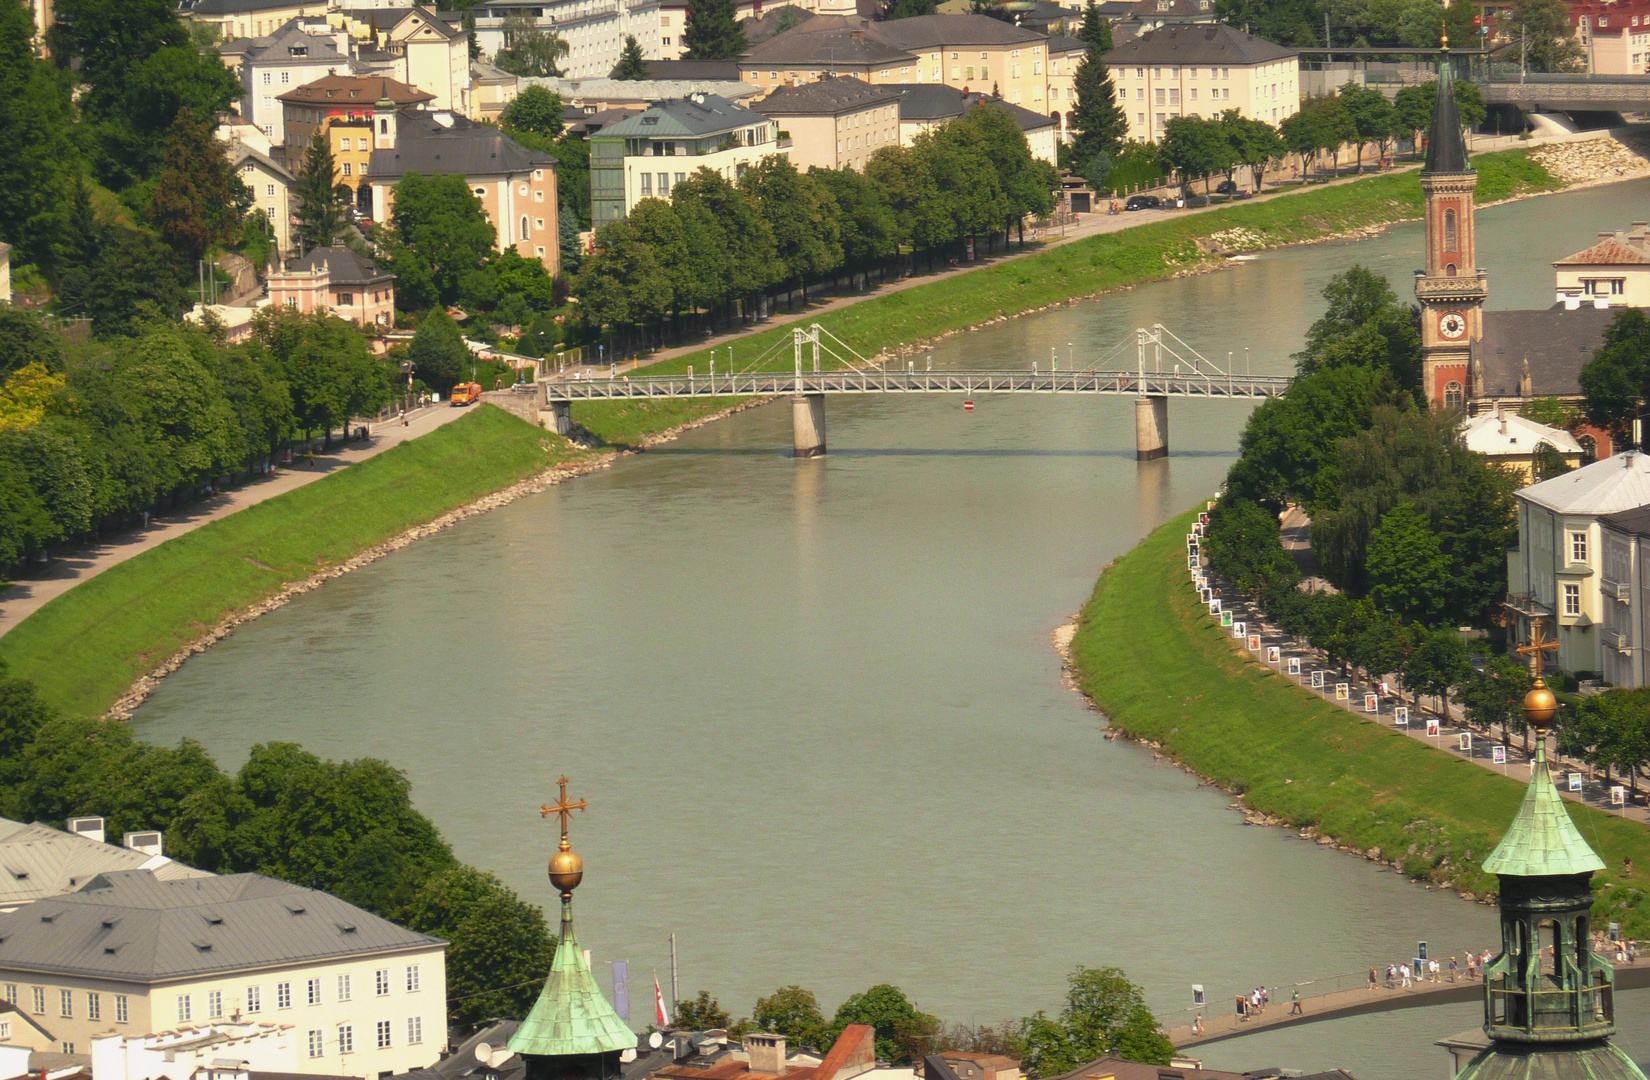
(348, 828)
(89, 440)
(1104, 1013)
(714, 242)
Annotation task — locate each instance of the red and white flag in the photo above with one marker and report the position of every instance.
(659, 1016)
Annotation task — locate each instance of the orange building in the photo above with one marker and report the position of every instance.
(340, 108)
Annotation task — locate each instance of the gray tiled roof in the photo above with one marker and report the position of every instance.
(936, 31)
(829, 40)
(1216, 44)
(1555, 343)
(133, 927)
(695, 117)
(276, 48)
(830, 96)
(37, 861)
(1629, 521)
(235, 7)
(424, 145)
(344, 267)
(714, 70)
(933, 102)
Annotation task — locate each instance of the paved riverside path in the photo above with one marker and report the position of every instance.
(24, 597)
(1220, 1021)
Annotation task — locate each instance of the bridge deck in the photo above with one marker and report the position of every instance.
(877, 381)
(1221, 1023)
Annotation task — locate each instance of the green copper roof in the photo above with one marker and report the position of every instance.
(1594, 1061)
(571, 1016)
(1542, 841)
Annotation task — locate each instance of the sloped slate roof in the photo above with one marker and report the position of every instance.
(700, 115)
(465, 149)
(571, 1016)
(937, 31)
(936, 102)
(833, 40)
(1618, 483)
(1556, 344)
(1194, 44)
(276, 47)
(827, 97)
(131, 926)
(38, 861)
(235, 7)
(344, 267)
(1446, 147)
(1607, 252)
(340, 90)
(1483, 434)
(1542, 839)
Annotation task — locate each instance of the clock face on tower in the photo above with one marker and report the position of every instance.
(1452, 325)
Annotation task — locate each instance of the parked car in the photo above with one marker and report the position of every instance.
(1143, 202)
(1226, 187)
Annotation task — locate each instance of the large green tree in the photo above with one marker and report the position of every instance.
(790, 1011)
(1195, 148)
(534, 110)
(1255, 145)
(713, 31)
(328, 366)
(501, 946)
(1542, 36)
(134, 281)
(1412, 109)
(868, 226)
(36, 124)
(1104, 1014)
(1364, 325)
(903, 1031)
(803, 216)
(1618, 376)
(529, 51)
(1372, 115)
(440, 240)
(632, 64)
(437, 351)
(199, 201)
(1408, 574)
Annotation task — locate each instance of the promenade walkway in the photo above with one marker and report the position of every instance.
(24, 597)
(1220, 1022)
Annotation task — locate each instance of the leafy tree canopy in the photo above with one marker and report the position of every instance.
(790, 1011)
(902, 1030)
(537, 110)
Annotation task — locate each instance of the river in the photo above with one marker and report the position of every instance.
(814, 704)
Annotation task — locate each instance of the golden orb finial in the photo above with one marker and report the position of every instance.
(566, 868)
(1540, 706)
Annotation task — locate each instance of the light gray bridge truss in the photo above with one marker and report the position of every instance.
(1192, 376)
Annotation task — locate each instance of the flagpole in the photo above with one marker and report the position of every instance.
(675, 988)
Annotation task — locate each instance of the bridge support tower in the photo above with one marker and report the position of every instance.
(1151, 427)
(557, 416)
(808, 425)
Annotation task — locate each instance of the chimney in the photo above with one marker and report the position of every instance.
(1501, 411)
(148, 841)
(89, 827)
(1572, 301)
(1601, 302)
(766, 1052)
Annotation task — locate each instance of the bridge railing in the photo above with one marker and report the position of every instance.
(1280, 993)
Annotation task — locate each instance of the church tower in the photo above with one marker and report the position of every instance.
(1451, 290)
(1549, 1001)
(572, 1033)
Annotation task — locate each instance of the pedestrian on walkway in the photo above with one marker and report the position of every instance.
(1295, 1007)
(1197, 1024)
(1432, 970)
(1372, 977)
(1403, 976)
(1391, 976)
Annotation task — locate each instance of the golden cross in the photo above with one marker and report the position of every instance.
(562, 807)
(1536, 647)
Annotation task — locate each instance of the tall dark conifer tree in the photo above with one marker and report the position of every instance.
(632, 64)
(1100, 122)
(713, 31)
(319, 210)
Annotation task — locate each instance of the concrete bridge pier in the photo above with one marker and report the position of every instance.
(557, 416)
(808, 425)
(1151, 427)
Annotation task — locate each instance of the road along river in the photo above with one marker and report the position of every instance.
(814, 704)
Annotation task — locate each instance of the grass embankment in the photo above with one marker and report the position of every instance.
(86, 647)
(1162, 669)
(1096, 264)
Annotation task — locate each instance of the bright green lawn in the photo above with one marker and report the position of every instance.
(87, 646)
(1162, 669)
(1094, 265)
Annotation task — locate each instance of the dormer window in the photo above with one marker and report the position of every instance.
(298, 50)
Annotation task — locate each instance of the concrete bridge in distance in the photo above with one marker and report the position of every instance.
(1148, 384)
(1351, 995)
(1568, 93)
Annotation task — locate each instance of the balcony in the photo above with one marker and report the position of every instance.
(1527, 606)
(1461, 286)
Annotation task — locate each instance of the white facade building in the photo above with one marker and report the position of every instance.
(593, 29)
(287, 59)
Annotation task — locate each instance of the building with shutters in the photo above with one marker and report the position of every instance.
(1201, 70)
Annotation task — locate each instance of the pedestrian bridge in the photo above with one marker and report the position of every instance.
(1190, 376)
(1351, 996)
(1569, 93)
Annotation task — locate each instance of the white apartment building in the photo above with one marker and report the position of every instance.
(131, 955)
(287, 59)
(1558, 575)
(1202, 70)
(593, 29)
(1614, 272)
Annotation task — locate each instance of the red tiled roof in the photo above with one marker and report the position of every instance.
(355, 90)
(1607, 252)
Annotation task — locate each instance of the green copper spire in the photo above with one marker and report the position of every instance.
(1542, 840)
(571, 1017)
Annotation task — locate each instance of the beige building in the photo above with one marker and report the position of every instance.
(1511, 441)
(516, 186)
(131, 955)
(1615, 271)
(251, 18)
(1064, 55)
(922, 108)
(336, 280)
(491, 91)
(835, 123)
(341, 108)
(436, 57)
(1194, 70)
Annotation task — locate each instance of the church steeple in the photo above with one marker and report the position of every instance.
(1451, 289)
(1549, 1004)
(572, 1031)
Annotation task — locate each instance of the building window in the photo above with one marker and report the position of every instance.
(348, 169)
(317, 1045)
(65, 1004)
(346, 1039)
(314, 990)
(1449, 230)
(94, 1006)
(412, 979)
(214, 1003)
(186, 1008)
(5, 1030)
(647, 184)
(381, 982)
(68, 1047)
(524, 227)
(383, 1034)
(383, 127)
(1578, 547)
(343, 980)
(415, 1030)
(269, 191)
(345, 299)
(254, 999)
(268, 78)
(283, 995)
(121, 1013)
(1454, 396)
(1572, 599)
(286, 77)
(11, 993)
